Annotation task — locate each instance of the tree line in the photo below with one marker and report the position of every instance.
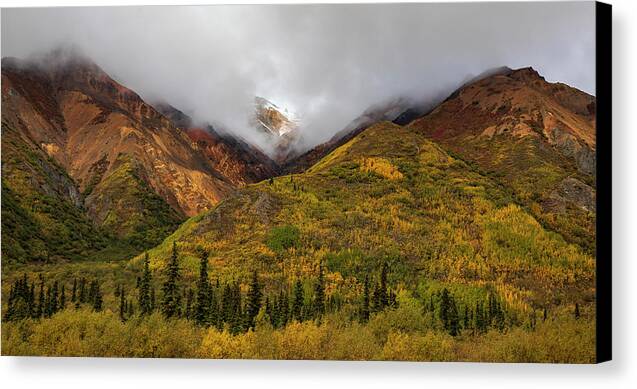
(477, 319)
(207, 304)
(28, 300)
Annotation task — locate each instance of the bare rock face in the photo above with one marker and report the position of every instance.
(571, 191)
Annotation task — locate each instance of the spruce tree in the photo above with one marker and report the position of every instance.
(41, 301)
(74, 292)
(465, 317)
(382, 298)
(202, 307)
(131, 308)
(365, 303)
(97, 298)
(253, 300)
(319, 294)
(62, 298)
(480, 322)
(122, 305)
(445, 308)
(145, 303)
(48, 306)
(189, 304)
(297, 303)
(54, 297)
(545, 314)
(454, 322)
(33, 304)
(171, 300)
(284, 308)
(82, 298)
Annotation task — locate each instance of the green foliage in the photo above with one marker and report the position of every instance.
(283, 238)
(172, 298)
(40, 221)
(145, 288)
(433, 263)
(132, 210)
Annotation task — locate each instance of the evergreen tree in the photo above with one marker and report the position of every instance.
(41, 301)
(466, 318)
(365, 304)
(33, 305)
(74, 292)
(145, 303)
(131, 308)
(189, 304)
(54, 298)
(171, 300)
(253, 300)
(48, 306)
(382, 298)
(122, 305)
(215, 315)
(20, 304)
(480, 325)
(82, 298)
(268, 311)
(202, 308)
(62, 298)
(284, 308)
(545, 314)
(297, 303)
(577, 314)
(454, 322)
(319, 295)
(97, 298)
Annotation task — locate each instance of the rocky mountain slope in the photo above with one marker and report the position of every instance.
(134, 172)
(280, 126)
(389, 195)
(534, 137)
(235, 159)
(398, 110)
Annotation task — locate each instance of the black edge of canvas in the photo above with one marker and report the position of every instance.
(603, 93)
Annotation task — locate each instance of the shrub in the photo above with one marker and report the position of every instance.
(283, 238)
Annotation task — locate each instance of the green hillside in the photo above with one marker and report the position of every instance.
(41, 216)
(388, 196)
(388, 248)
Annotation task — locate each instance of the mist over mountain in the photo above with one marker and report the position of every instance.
(324, 64)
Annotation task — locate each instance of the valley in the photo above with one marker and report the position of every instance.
(462, 230)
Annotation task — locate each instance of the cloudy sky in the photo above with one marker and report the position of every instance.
(326, 63)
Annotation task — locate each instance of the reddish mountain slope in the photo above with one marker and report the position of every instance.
(536, 137)
(111, 142)
(236, 160)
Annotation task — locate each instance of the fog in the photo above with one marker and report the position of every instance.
(325, 63)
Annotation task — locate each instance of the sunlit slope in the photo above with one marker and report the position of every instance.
(388, 195)
(536, 137)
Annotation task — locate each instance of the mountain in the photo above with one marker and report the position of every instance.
(399, 111)
(130, 169)
(279, 125)
(389, 195)
(235, 159)
(535, 137)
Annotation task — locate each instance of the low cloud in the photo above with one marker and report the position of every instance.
(326, 63)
